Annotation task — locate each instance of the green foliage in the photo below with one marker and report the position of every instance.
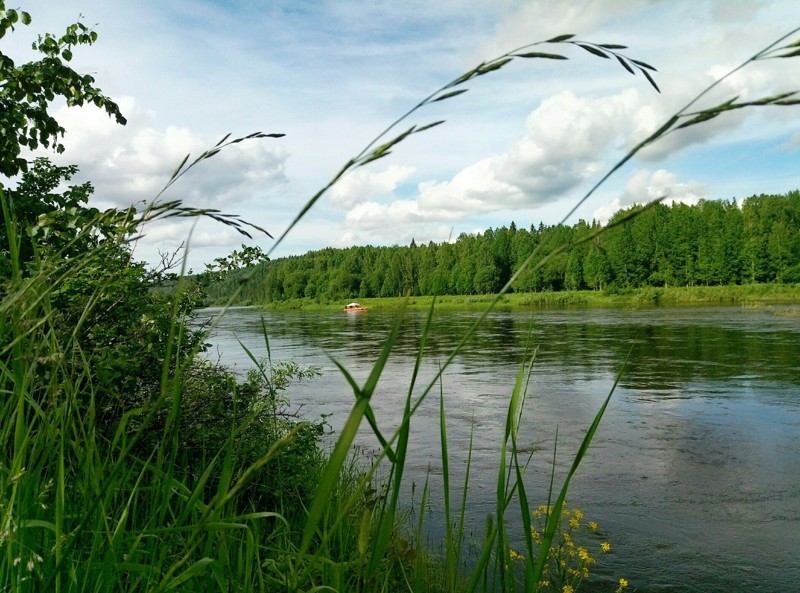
(27, 90)
(575, 550)
(712, 243)
(57, 225)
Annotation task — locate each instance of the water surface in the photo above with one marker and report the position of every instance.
(694, 474)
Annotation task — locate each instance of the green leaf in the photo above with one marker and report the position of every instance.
(540, 54)
(560, 38)
(612, 46)
(383, 150)
(704, 116)
(429, 126)
(25, 18)
(450, 94)
(491, 67)
(625, 64)
(791, 54)
(194, 570)
(465, 77)
(593, 50)
(650, 80)
(66, 54)
(225, 137)
(179, 167)
(643, 65)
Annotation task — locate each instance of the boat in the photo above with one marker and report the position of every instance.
(354, 308)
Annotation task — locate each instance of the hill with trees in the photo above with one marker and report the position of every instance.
(712, 243)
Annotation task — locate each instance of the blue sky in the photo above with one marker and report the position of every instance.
(523, 144)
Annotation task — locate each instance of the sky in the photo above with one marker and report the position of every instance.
(524, 144)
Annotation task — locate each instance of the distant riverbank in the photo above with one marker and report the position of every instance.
(746, 295)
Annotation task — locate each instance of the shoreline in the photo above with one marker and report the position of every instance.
(747, 295)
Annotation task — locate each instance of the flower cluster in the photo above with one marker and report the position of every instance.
(570, 558)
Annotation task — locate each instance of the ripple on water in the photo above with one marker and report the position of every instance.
(694, 470)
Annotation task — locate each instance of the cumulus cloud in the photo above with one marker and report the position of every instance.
(363, 185)
(238, 173)
(346, 239)
(131, 164)
(197, 234)
(568, 140)
(644, 187)
(328, 88)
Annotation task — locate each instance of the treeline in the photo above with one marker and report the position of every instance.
(711, 243)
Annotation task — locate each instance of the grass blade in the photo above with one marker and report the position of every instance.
(553, 516)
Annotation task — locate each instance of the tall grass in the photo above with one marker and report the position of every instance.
(92, 504)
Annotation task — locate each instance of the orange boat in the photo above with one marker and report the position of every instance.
(354, 308)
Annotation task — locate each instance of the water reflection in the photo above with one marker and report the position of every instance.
(694, 471)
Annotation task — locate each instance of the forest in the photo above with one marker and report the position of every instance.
(712, 243)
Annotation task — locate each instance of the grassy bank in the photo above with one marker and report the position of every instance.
(747, 294)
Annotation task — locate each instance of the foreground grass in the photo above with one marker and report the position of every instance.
(746, 294)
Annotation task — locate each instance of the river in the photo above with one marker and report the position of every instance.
(694, 473)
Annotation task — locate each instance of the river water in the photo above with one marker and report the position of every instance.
(694, 473)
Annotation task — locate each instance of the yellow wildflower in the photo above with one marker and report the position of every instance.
(575, 523)
(592, 525)
(567, 589)
(583, 554)
(605, 546)
(515, 555)
(623, 583)
(578, 514)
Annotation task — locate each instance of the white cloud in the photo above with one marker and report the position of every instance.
(131, 164)
(518, 146)
(347, 239)
(363, 185)
(644, 187)
(195, 233)
(567, 141)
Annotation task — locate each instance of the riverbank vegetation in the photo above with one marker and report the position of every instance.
(745, 295)
(709, 245)
(130, 463)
